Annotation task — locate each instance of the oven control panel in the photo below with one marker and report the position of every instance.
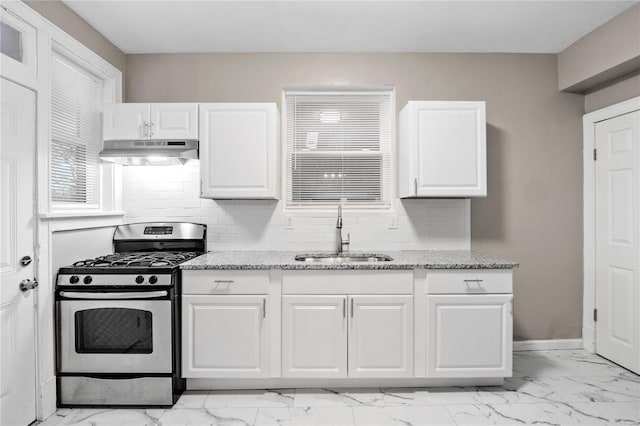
(114, 279)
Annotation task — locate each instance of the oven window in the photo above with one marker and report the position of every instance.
(113, 331)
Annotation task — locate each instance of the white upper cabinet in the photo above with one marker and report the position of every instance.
(150, 121)
(239, 150)
(174, 121)
(442, 149)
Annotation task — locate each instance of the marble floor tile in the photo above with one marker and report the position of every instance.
(594, 413)
(575, 389)
(554, 363)
(192, 399)
(338, 397)
(209, 417)
(109, 417)
(402, 415)
(250, 398)
(305, 416)
(562, 387)
(454, 395)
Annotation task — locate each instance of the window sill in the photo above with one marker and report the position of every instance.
(78, 219)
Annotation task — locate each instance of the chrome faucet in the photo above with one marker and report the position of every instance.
(340, 242)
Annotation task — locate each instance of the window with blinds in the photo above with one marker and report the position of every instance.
(76, 105)
(338, 149)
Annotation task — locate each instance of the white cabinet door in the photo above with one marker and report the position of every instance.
(314, 336)
(224, 336)
(239, 150)
(469, 335)
(443, 149)
(126, 121)
(381, 336)
(174, 121)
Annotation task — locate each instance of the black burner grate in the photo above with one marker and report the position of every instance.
(137, 259)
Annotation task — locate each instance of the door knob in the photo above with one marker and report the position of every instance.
(26, 260)
(27, 284)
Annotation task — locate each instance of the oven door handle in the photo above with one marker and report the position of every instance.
(122, 295)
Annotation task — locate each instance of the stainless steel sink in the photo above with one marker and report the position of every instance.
(345, 258)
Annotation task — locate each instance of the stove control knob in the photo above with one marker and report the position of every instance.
(87, 279)
(74, 279)
(153, 279)
(139, 279)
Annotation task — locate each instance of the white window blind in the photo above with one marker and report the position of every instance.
(76, 106)
(338, 149)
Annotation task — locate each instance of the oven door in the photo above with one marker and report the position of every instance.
(114, 336)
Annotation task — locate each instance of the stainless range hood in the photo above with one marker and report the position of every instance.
(149, 152)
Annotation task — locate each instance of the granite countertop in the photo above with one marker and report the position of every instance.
(409, 259)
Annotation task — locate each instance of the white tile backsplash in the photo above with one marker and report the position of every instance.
(172, 193)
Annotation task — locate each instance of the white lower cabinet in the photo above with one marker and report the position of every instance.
(391, 324)
(314, 336)
(469, 335)
(224, 336)
(381, 336)
(334, 336)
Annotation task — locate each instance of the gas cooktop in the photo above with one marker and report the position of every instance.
(137, 259)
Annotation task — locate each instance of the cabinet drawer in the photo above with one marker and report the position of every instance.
(225, 282)
(347, 282)
(470, 281)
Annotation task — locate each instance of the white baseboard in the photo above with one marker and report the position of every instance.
(541, 345)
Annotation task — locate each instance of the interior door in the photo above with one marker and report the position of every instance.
(617, 240)
(17, 341)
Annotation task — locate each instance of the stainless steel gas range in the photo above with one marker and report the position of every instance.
(118, 340)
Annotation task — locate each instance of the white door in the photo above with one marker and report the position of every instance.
(618, 240)
(239, 150)
(17, 180)
(126, 121)
(224, 336)
(174, 121)
(380, 336)
(314, 336)
(469, 335)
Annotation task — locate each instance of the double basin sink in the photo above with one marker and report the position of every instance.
(342, 258)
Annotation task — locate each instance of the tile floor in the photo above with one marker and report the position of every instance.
(561, 387)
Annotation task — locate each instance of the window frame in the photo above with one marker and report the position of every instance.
(330, 206)
(109, 175)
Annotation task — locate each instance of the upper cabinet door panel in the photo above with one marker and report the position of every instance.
(126, 121)
(174, 121)
(239, 150)
(446, 144)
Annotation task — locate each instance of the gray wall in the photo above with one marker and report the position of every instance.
(606, 53)
(71, 23)
(617, 91)
(533, 212)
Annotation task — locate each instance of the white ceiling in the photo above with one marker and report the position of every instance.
(153, 26)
